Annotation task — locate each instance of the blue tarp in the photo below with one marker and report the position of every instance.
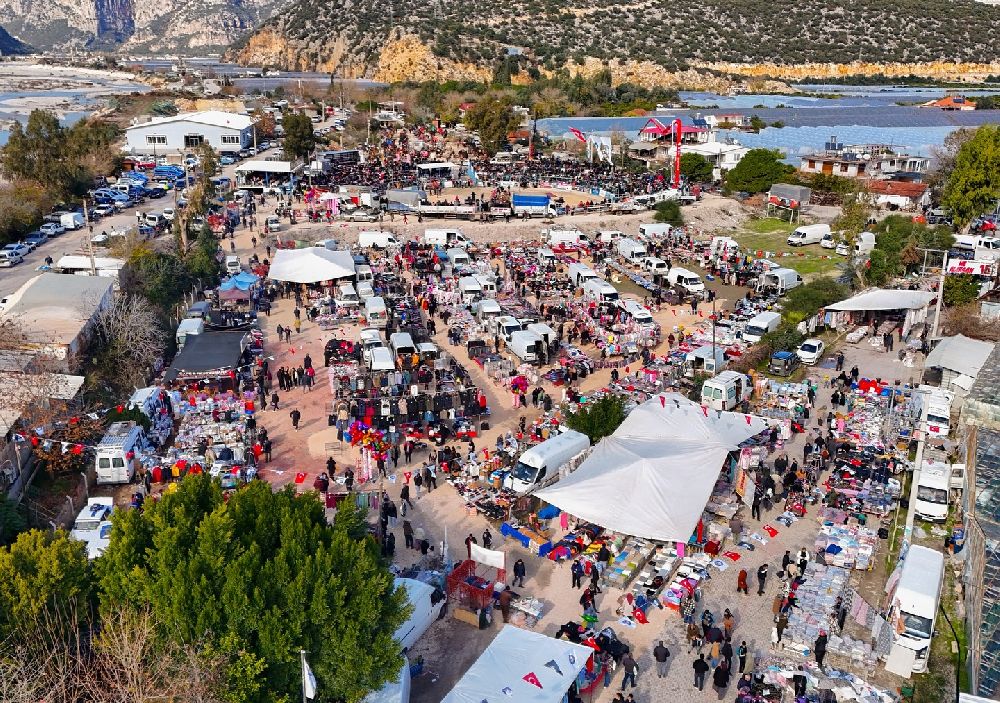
(242, 281)
(531, 200)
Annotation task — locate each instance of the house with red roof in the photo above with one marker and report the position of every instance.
(954, 103)
(898, 195)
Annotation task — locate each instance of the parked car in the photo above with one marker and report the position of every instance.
(811, 351)
(227, 160)
(99, 239)
(155, 193)
(104, 209)
(362, 215)
(169, 213)
(93, 526)
(36, 239)
(9, 258)
(19, 248)
(52, 229)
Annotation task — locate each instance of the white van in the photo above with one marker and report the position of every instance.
(526, 346)
(428, 352)
(933, 491)
(547, 334)
(377, 239)
(600, 290)
(233, 264)
(915, 602)
(347, 297)
(654, 264)
(609, 236)
(723, 246)
(486, 310)
(375, 312)
(488, 284)
(363, 273)
(272, 224)
(369, 338)
(381, 359)
(458, 257)
(112, 461)
(580, 273)
(72, 220)
(779, 280)
(726, 391)
(544, 460)
(188, 327)
(560, 237)
(760, 325)
(154, 219)
(686, 280)
(365, 290)
(655, 230)
(546, 256)
(505, 326)
(630, 250)
(938, 404)
(864, 243)
(402, 344)
(445, 238)
(470, 289)
(808, 234)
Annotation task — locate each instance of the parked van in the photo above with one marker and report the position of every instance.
(544, 460)
(600, 290)
(609, 236)
(381, 359)
(656, 230)
(580, 273)
(488, 283)
(760, 325)
(402, 344)
(705, 359)
(346, 296)
(636, 312)
(915, 602)
(723, 246)
(369, 338)
(561, 237)
(376, 313)
(526, 346)
(630, 250)
(780, 280)
(377, 239)
(428, 352)
(686, 280)
(864, 243)
(154, 219)
(199, 310)
(459, 257)
(445, 238)
(938, 404)
(726, 391)
(486, 310)
(546, 256)
(233, 264)
(933, 491)
(115, 454)
(363, 274)
(505, 326)
(72, 220)
(469, 289)
(188, 327)
(654, 265)
(808, 234)
(784, 363)
(365, 291)
(547, 334)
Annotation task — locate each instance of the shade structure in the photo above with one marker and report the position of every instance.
(311, 265)
(523, 666)
(883, 299)
(653, 477)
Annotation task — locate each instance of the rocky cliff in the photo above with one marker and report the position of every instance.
(165, 26)
(644, 41)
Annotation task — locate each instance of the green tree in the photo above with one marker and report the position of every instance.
(898, 240)
(987, 102)
(804, 301)
(493, 118)
(40, 573)
(669, 211)
(974, 184)
(757, 123)
(696, 168)
(262, 575)
(12, 522)
(599, 418)
(757, 171)
(299, 137)
(960, 290)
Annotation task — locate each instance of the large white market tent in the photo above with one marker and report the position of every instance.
(311, 265)
(883, 299)
(523, 666)
(653, 477)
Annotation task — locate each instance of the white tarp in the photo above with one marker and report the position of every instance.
(311, 265)
(488, 557)
(424, 613)
(882, 299)
(654, 475)
(522, 666)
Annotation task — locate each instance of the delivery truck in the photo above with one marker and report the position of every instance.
(532, 206)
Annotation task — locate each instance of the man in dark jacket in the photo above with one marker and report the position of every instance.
(700, 669)
(519, 573)
(661, 654)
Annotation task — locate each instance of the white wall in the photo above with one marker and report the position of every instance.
(175, 133)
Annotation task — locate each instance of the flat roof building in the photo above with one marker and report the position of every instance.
(223, 131)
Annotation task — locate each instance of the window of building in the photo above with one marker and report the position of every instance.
(193, 140)
(156, 139)
(230, 139)
(812, 163)
(843, 168)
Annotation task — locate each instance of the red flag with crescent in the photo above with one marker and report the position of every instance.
(578, 134)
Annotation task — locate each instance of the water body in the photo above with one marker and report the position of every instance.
(286, 79)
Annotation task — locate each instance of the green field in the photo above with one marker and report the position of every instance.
(769, 234)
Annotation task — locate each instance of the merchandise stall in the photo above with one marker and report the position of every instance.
(474, 583)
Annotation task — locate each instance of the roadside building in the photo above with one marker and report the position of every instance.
(956, 361)
(898, 195)
(223, 131)
(952, 103)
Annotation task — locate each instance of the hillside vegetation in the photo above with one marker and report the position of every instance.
(472, 36)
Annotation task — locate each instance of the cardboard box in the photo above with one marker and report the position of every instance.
(465, 615)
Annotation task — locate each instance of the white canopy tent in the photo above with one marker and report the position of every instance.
(654, 475)
(311, 265)
(523, 666)
(883, 299)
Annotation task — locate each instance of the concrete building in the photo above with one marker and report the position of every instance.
(655, 144)
(223, 131)
(956, 362)
(898, 195)
(863, 161)
(55, 314)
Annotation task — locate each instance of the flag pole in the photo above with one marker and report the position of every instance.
(302, 657)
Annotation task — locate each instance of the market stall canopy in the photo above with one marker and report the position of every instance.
(210, 354)
(233, 294)
(523, 666)
(883, 299)
(311, 265)
(960, 354)
(241, 281)
(653, 477)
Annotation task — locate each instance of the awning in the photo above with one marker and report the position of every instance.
(522, 666)
(211, 354)
(653, 477)
(233, 294)
(311, 265)
(883, 299)
(960, 354)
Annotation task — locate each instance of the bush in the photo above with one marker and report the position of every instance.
(598, 419)
(669, 211)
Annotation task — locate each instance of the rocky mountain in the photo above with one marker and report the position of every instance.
(648, 39)
(164, 26)
(9, 46)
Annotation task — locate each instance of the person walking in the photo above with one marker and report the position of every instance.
(296, 416)
(728, 623)
(519, 573)
(631, 669)
(819, 648)
(469, 541)
(761, 579)
(404, 495)
(741, 583)
(720, 679)
(707, 620)
(727, 653)
(687, 609)
(741, 653)
(781, 624)
(577, 572)
(505, 597)
(701, 668)
(418, 481)
(661, 654)
(407, 533)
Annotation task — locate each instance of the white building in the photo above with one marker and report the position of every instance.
(223, 131)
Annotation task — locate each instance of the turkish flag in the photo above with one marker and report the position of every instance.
(663, 401)
(532, 679)
(300, 477)
(578, 134)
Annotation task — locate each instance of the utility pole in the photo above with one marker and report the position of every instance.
(911, 510)
(940, 297)
(90, 243)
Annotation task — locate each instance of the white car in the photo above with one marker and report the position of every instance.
(52, 229)
(843, 249)
(17, 248)
(811, 351)
(169, 213)
(93, 526)
(9, 259)
(105, 209)
(100, 239)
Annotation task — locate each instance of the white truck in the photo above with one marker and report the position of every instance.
(72, 220)
(915, 602)
(726, 391)
(808, 234)
(377, 239)
(630, 250)
(987, 248)
(780, 280)
(761, 324)
(115, 458)
(937, 403)
(933, 491)
(688, 281)
(723, 246)
(655, 230)
(540, 464)
(562, 237)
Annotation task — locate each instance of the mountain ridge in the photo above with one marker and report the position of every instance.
(12, 46)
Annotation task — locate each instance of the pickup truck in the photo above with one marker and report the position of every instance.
(459, 211)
